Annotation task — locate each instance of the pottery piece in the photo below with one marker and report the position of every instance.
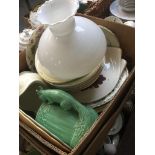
(32, 47)
(130, 23)
(117, 125)
(114, 19)
(71, 46)
(107, 80)
(64, 116)
(24, 38)
(115, 139)
(28, 84)
(112, 40)
(110, 149)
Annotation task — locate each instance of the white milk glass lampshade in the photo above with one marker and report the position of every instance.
(71, 46)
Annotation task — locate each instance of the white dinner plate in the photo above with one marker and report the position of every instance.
(110, 96)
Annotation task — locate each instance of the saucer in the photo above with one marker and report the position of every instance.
(117, 11)
(112, 40)
(107, 80)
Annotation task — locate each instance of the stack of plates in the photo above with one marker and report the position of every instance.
(124, 9)
(110, 80)
(74, 85)
(127, 5)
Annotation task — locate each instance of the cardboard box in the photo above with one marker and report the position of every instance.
(93, 146)
(93, 139)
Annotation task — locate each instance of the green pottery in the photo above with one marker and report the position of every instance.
(64, 116)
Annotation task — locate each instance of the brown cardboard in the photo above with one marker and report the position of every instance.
(100, 137)
(35, 143)
(31, 126)
(100, 128)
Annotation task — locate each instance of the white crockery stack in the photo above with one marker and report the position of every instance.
(127, 5)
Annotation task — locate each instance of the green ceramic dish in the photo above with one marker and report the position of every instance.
(64, 116)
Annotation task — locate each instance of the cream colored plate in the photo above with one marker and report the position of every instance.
(74, 85)
(41, 71)
(84, 84)
(112, 40)
(107, 79)
(80, 80)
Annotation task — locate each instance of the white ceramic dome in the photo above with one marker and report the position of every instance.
(70, 47)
